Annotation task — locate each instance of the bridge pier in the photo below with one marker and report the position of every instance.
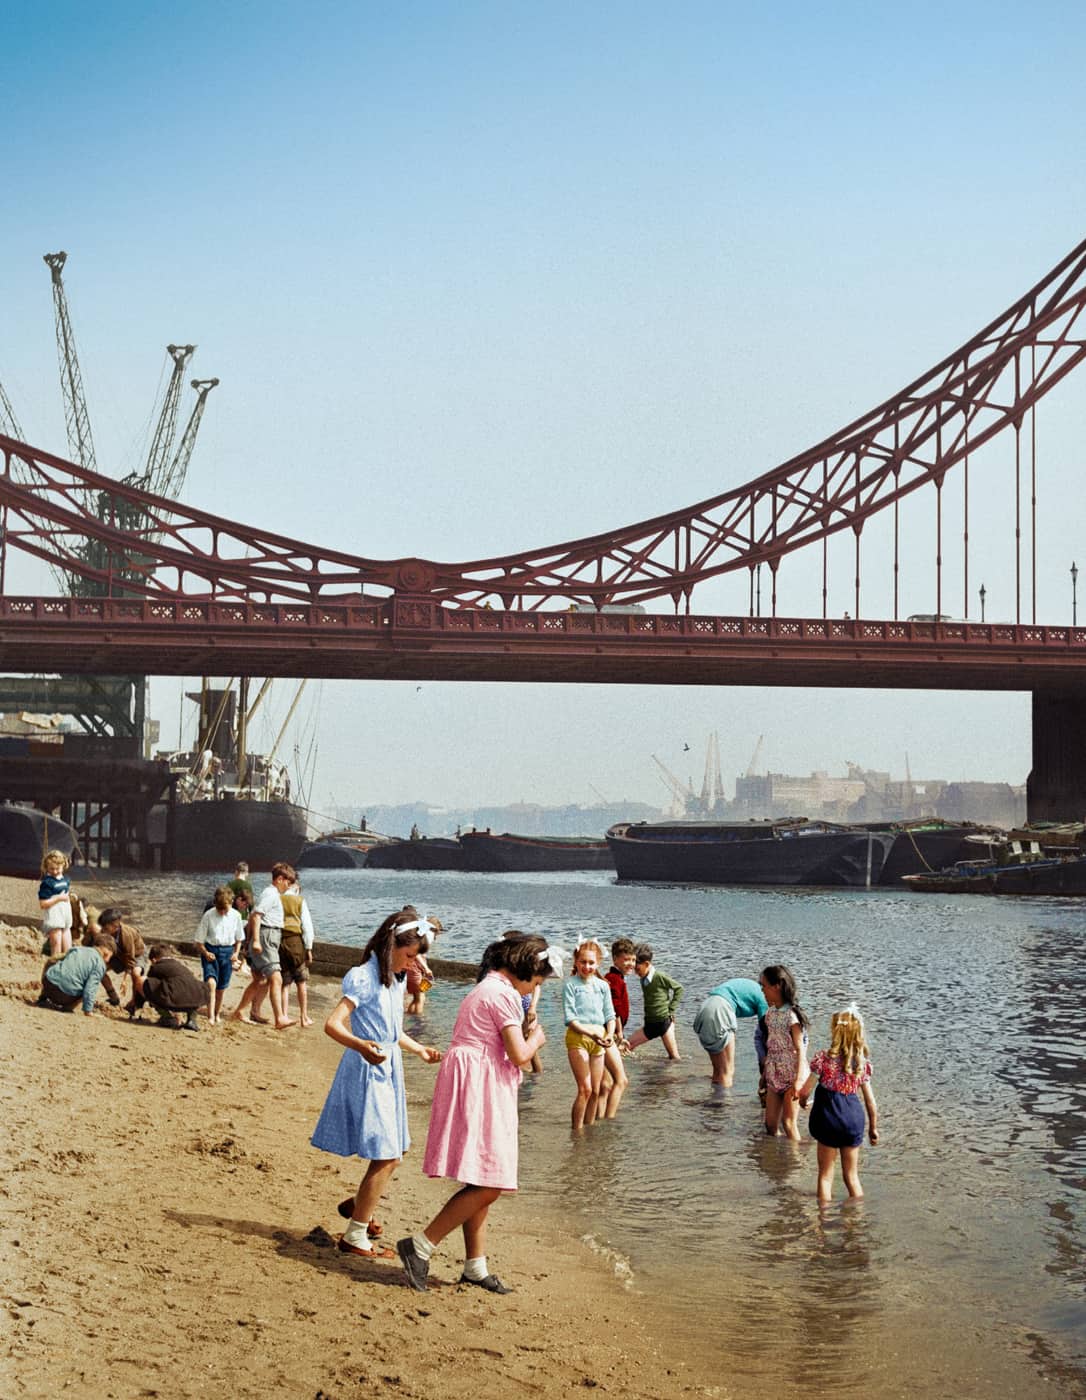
(1056, 788)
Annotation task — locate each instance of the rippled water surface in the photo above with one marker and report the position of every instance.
(961, 1272)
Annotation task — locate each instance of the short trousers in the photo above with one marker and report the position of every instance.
(222, 969)
(55, 997)
(266, 961)
(653, 1030)
(292, 961)
(57, 916)
(576, 1041)
(715, 1024)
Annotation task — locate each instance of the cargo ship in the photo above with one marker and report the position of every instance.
(486, 852)
(788, 851)
(229, 804)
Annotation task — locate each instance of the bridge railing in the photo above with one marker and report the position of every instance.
(398, 615)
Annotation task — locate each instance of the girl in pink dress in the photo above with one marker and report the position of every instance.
(473, 1121)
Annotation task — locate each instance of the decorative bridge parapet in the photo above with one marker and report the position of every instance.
(416, 639)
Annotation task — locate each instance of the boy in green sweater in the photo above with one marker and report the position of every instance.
(662, 996)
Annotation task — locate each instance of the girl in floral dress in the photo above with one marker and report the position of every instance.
(785, 1062)
(473, 1121)
(842, 1097)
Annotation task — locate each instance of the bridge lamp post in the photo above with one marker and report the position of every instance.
(1074, 595)
(983, 595)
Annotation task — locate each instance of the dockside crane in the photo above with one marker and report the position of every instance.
(712, 784)
(681, 792)
(174, 476)
(76, 418)
(162, 442)
(9, 424)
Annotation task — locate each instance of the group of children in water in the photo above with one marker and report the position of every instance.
(473, 1128)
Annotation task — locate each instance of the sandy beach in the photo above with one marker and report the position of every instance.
(167, 1229)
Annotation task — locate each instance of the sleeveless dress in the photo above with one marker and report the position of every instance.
(365, 1113)
(781, 1059)
(473, 1121)
(837, 1114)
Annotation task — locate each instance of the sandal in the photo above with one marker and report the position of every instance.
(378, 1251)
(346, 1209)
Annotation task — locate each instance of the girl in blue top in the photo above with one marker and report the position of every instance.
(54, 898)
(590, 1029)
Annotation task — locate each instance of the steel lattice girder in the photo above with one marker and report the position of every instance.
(139, 544)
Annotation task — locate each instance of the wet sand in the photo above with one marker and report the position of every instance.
(166, 1228)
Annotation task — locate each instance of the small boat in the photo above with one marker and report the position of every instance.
(419, 853)
(787, 851)
(486, 852)
(1010, 867)
(26, 833)
(347, 849)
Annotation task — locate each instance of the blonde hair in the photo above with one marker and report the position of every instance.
(847, 1042)
(224, 898)
(50, 856)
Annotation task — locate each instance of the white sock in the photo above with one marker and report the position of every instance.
(355, 1234)
(423, 1247)
(476, 1269)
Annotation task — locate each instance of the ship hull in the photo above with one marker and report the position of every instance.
(215, 835)
(26, 833)
(487, 853)
(711, 855)
(431, 853)
(331, 855)
(918, 852)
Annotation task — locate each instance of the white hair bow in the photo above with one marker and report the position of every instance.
(555, 957)
(427, 932)
(852, 1010)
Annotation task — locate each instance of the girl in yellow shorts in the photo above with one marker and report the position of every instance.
(590, 1029)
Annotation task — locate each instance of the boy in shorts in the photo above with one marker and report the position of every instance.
(661, 995)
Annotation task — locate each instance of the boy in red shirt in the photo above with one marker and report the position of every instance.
(622, 964)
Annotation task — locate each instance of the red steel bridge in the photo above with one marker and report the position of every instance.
(159, 588)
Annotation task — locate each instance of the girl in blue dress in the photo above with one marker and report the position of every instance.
(365, 1113)
(842, 1098)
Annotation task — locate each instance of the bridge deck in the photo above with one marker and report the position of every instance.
(416, 639)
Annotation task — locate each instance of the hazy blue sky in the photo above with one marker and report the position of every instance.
(481, 277)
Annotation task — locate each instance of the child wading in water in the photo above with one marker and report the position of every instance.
(590, 1031)
(365, 1114)
(785, 1065)
(843, 1076)
(473, 1122)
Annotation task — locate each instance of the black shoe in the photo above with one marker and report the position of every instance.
(415, 1266)
(190, 1024)
(492, 1283)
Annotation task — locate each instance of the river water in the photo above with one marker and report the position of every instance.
(961, 1272)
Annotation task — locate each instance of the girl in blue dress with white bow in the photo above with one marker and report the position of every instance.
(365, 1113)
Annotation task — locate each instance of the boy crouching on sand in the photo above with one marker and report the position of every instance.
(76, 976)
(661, 995)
